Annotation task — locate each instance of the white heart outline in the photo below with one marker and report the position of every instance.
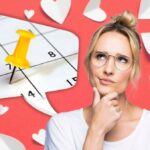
(29, 13)
(56, 10)
(39, 137)
(3, 109)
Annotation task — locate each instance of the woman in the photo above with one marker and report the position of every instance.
(111, 122)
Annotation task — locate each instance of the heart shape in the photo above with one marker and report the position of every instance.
(10, 143)
(144, 11)
(40, 137)
(3, 109)
(145, 38)
(93, 12)
(29, 13)
(56, 9)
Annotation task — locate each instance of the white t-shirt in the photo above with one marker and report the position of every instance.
(67, 131)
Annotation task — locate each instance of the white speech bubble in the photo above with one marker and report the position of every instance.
(53, 57)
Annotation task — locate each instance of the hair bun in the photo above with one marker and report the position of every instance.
(126, 19)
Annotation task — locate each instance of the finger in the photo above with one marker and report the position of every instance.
(96, 96)
(111, 96)
(117, 109)
(119, 113)
(96, 82)
(115, 102)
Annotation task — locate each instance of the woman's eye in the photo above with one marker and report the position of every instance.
(101, 56)
(122, 59)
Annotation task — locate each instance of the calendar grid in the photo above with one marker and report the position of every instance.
(53, 56)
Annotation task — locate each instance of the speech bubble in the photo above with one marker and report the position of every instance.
(53, 57)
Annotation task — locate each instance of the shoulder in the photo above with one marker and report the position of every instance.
(146, 114)
(65, 119)
(145, 120)
(59, 130)
(144, 126)
(63, 124)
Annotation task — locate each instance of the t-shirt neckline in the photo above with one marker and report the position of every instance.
(121, 140)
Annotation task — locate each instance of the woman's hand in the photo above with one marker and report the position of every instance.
(105, 112)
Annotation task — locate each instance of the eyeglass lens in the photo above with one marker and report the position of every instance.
(122, 62)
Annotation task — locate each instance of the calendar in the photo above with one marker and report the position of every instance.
(53, 57)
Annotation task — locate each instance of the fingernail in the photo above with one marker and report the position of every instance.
(94, 88)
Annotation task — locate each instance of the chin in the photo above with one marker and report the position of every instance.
(103, 90)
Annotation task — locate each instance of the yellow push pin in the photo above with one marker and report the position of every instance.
(18, 58)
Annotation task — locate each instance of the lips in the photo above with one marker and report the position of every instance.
(106, 81)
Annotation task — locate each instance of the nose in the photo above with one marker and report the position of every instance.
(109, 66)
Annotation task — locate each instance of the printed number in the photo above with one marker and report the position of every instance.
(9, 65)
(30, 93)
(52, 54)
(72, 81)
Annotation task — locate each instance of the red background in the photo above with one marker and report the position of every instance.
(22, 120)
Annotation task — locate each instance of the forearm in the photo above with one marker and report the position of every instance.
(94, 140)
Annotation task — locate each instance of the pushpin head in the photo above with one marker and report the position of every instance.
(18, 58)
(18, 62)
(25, 33)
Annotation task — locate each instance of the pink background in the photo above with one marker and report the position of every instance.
(22, 120)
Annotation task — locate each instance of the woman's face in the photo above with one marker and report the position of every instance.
(108, 77)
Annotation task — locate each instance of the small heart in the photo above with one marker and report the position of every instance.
(3, 109)
(56, 9)
(40, 137)
(29, 13)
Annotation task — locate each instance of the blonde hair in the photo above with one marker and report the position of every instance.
(125, 24)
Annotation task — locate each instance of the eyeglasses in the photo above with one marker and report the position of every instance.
(122, 62)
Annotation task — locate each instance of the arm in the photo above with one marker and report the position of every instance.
(105, 114)
(94, 140)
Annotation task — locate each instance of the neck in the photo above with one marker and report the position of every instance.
(129, 111)
(123, 101)
(124, 104)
